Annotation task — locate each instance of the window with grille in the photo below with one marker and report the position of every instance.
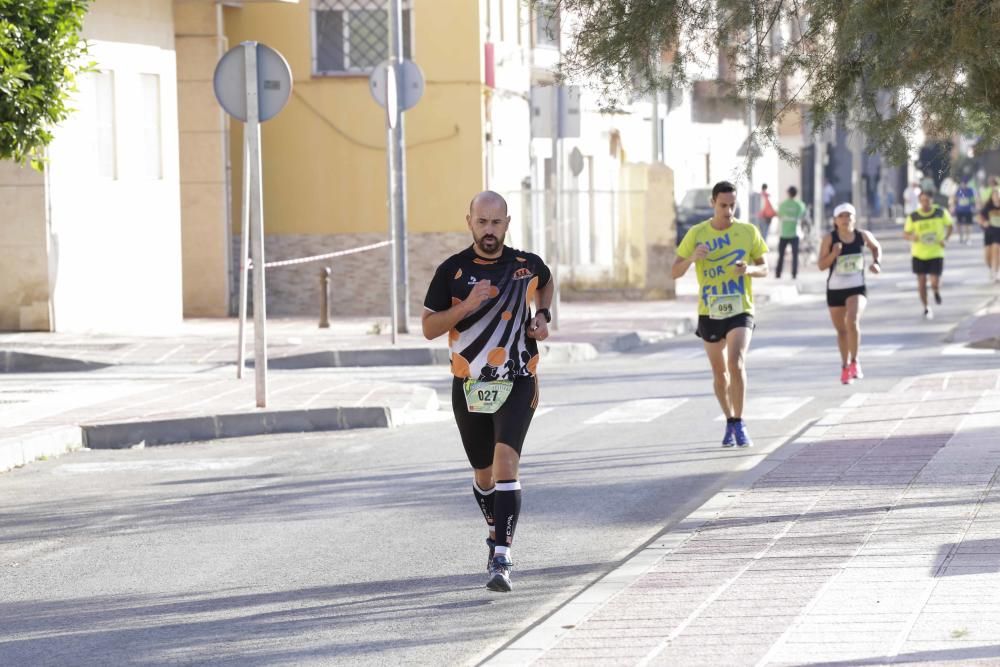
(352, 36)
(547, 24)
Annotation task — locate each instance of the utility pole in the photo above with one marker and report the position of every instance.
(819, 151)
(557, 189)
(397, 176)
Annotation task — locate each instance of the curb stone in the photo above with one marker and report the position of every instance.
(12, 361)
(195, 429)
(16, 452)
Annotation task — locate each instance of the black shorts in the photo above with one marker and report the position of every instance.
(712, 331)
(963, 218)
(930, 267)
(481, 432)
(837, 298)
(991, 235)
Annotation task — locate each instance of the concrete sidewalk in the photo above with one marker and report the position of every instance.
(872, 539)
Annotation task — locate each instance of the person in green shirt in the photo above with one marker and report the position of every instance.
(928, 229)
(790, 213)
(728, 255)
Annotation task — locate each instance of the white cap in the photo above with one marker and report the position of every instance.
(844, 208)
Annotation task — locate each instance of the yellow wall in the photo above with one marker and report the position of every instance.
(324, 155)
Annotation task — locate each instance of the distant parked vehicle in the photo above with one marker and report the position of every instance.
(695, 207)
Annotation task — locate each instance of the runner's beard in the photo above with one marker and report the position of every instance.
(489, 244)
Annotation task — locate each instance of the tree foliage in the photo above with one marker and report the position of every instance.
(40, 55)
(888, 66)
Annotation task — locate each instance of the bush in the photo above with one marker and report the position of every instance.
(41, 53)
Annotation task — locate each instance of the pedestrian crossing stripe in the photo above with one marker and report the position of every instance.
(640, 411)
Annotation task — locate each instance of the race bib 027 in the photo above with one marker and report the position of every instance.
(486, 397)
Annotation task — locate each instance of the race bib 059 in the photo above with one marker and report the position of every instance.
(722, 306)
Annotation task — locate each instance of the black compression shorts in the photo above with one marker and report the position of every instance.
(930, 267)
(713, 331)
(481, 432)
(837, 298)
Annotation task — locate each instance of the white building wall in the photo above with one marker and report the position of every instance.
(114, 202)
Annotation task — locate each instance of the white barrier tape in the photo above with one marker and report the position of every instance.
(316, 258)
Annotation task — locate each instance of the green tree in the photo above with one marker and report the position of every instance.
(887, 65)
(41, 53)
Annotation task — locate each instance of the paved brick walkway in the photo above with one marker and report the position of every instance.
(874, 539)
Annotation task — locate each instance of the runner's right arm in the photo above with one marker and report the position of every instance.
(828, 253)
(688, 252)
(439, 323)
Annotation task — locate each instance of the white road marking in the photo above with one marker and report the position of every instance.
(771, 407)
(165, 465)
(539, 412)
(878, 350)
(640, 411)
(959, 350)
(775, 352)
(169, 354)
(675, 355)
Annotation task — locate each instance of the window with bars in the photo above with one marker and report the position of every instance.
(352, 36)
(547, 24)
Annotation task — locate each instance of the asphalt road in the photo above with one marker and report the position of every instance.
(366, 547)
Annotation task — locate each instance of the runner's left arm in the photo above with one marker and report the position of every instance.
(759, 268)
(875, 247)
(538, 328)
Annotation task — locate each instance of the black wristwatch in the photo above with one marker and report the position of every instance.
(544, 312)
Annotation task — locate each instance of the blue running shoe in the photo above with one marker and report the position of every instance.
(500, 574)
(729, 439)
(742, 437)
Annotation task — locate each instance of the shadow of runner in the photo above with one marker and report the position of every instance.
(334, 622)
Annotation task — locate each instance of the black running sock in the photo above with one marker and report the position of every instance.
(485, 500)
(506, 508)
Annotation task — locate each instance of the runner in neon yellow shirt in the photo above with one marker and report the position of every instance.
(728, 255)
(928, 228)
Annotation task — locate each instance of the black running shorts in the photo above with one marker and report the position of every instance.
(481, 432)
(929, 267)
(837, 298)
(991, 235)
(712, 331)
(963, 218)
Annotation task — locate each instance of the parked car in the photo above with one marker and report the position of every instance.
(695, 207)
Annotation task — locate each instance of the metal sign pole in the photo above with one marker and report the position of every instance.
(401, 301)
(252, 130)
(244, 249)
(391, 118)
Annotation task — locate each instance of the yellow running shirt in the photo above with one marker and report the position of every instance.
(930, 229)
(717, 281)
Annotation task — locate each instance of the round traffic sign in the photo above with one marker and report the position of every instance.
(411, 84)
(274, 82)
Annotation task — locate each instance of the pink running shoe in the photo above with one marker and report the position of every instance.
(845, 375)
(855, 369)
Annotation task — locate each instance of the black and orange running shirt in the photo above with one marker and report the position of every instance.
(491, 343)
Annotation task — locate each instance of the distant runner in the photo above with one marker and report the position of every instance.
(842, 254)
(728, 255)
(928, 228)
(990, 217)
